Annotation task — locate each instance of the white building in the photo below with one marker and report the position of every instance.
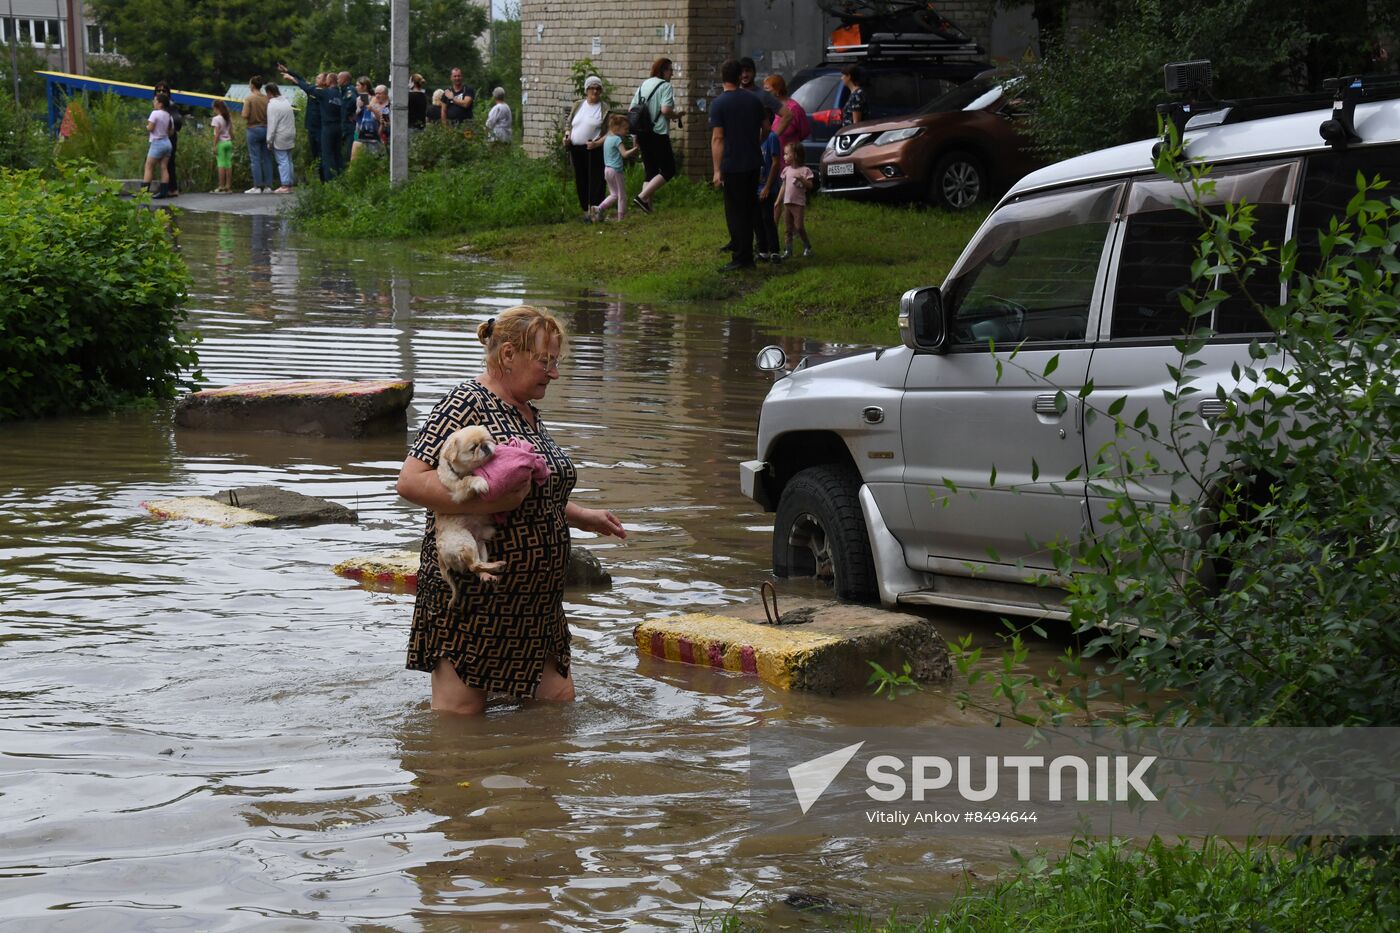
(61, 30)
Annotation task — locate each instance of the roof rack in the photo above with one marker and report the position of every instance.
(1343, 94)
(903, 46)
(907, 29)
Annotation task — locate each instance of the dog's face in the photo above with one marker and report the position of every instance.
(468, 449)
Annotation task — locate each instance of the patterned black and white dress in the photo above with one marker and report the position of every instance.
(497, 635)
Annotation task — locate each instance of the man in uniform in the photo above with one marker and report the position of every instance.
(326, 100)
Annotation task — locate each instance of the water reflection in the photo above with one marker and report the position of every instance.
(212, 719)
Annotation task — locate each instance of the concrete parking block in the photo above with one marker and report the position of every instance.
(260, 506)
(327, 407)
(394, 570)
(826, 655)
(397, 571)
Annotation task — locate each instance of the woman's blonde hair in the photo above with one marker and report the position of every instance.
(520, 327)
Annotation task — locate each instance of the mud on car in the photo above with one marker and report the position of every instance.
(1083, 260)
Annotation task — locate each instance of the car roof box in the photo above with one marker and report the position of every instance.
(890, 29)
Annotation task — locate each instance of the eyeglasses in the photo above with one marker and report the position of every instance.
(546, 362)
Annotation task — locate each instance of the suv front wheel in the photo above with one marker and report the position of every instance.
(820, 532)
(957, 182)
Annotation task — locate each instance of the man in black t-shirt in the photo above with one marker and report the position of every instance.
(736, 128)
(457, 100)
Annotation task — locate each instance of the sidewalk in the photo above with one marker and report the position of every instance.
(265, 205)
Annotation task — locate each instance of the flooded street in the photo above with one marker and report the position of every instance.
(206, 729)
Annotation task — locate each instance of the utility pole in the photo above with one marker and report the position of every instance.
(14, 51)
(398, 92)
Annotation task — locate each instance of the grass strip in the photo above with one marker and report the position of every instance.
(864, 257)
(1107, 886)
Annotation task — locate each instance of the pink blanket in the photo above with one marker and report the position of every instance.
(514, 462)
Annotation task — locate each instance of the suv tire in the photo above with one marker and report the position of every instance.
(820, 531)
(957, 182)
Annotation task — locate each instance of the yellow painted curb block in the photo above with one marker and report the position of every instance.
(208, 512)
(777, 654)
(396, 570)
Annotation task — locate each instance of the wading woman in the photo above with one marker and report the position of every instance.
(508, 637)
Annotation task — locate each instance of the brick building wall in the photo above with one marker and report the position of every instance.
(622, 40)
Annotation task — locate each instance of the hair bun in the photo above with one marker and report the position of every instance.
(483, 332)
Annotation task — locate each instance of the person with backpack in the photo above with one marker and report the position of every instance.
(366, 119)
(649, 116)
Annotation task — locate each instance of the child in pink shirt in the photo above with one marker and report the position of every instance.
(797, 180)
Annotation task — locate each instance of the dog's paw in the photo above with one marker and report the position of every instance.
(485, 577)
(478, 486)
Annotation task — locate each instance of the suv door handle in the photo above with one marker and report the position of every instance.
(1046, 405)
(1212, 408)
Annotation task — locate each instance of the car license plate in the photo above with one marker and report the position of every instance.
(841, 168)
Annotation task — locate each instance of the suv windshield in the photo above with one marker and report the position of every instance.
(982, 91)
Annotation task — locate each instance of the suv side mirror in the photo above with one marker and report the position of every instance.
(921, 324)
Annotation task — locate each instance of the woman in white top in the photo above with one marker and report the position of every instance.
(281, 134)
(584, 140)
(158, 152)
(499, 121)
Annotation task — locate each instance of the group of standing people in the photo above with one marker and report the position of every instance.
(756, 146)
(342, 120)
(757, 159)
(272, 135)
(595, 142)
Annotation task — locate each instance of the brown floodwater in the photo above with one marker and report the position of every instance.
(206, 729)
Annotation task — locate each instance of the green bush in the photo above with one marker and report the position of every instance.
(440, 146)
(92, 296)
(1111, 886)
(24, 140)
(108, 131)
(493, 188)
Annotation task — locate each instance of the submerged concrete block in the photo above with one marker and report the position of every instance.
(263, 506)
(327, 407)
(398, 570)
(585, 570)
(394, 570)
(825, 655)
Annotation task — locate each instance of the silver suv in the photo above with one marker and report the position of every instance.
(1086, 260)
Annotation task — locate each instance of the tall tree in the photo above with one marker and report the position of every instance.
(1098, 86)
(199, 46)
(354, 36)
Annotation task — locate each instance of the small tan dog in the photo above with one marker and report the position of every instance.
(461, 539)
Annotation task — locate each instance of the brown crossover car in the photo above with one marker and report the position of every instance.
(959, 148)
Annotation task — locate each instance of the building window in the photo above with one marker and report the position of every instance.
(97, 41)
(36, 32)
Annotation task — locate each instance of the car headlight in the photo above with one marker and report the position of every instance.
(831, 143)
(896, 136)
